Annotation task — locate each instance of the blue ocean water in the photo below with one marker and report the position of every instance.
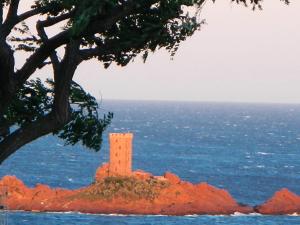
(252, 150)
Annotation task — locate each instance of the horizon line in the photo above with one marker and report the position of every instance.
(199, 101)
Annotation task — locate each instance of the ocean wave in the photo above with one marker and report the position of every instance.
(243, 214)
(192, 215)
(265, 153)
(260, 166)
(235, 214)
(287, 166)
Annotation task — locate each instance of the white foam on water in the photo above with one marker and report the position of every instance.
(235, 214)
(238, 214)
(264, 153)
(287, 166)
(260, 166)
(255, 214)
(243, 214)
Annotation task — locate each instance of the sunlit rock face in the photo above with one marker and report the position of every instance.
(102, 172)
(141, 193)
(282, 202)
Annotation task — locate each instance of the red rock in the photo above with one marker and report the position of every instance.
(102, 172)
(283, 202)
(140, 174)
(176, 198)
(11, 182)
(172, 178)
(13, 186)
(135, 192)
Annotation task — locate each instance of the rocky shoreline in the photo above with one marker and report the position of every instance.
(142, 193)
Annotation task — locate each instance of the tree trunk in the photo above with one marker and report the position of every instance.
(7, 83)
(61, 111)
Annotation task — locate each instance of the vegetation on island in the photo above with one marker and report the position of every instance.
(129, 188)
(62, 34)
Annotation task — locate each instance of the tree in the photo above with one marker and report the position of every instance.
(112, 31)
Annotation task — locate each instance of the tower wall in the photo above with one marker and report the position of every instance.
(120, 163)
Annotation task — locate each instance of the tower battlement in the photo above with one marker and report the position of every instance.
(120, 163)
(121, 135)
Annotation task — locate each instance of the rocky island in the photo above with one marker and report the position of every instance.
(119, 190)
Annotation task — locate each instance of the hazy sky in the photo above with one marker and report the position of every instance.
(239, 55)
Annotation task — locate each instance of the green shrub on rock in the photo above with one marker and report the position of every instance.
(124, 187)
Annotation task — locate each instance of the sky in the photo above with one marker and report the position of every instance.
(239, 55)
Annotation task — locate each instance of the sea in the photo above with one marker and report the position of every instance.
(252, 150)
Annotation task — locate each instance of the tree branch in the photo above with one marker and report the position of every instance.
(4, 127)
(42, 33)
(41, 54)
(1, 12)
(64, 37)
(10, 22)
(31, 13)
(13, 9)
(86, 54)
(7, 83)
(60, 114)
(63, 78)
(50, 21)
(25, 135)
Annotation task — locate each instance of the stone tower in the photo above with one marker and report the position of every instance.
(120, 163)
